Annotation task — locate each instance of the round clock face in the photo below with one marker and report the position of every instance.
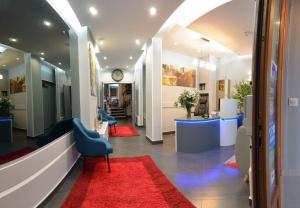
(117, 75)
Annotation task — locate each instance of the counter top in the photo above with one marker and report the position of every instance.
(199, 118)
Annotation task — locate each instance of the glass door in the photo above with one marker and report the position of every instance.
(268, 89)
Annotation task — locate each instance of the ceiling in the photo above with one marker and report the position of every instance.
(189, 42)
(231, 24)
(119, 23)
(11, 58)
(23, 20)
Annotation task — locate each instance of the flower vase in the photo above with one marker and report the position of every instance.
(188, 113)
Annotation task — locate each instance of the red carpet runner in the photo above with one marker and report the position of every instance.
(133, 182)
(15, 155)
(123, 131)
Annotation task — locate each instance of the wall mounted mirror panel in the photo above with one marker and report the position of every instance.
(35, 81)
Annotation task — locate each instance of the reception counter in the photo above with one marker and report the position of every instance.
(198, 134)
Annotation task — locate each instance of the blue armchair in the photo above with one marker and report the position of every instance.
(89, 143)
(105, 117)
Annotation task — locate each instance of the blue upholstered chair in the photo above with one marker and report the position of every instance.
(89, 143)
(105, 117)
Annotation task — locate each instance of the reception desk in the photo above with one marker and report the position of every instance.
(198, 134)
(6, 130)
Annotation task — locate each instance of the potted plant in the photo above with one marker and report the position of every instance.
(241, 90)
(5, 107)
(187, 99)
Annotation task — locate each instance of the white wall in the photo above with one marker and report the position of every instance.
(139, 91)
(83, 104)
(171, 93)
(3, 82)
(18, 99)
(235, 68)
(105, 76)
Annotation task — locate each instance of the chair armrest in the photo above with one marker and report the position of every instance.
(93, 134)
(96, 147)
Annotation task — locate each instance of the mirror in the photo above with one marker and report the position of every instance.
(35, 81)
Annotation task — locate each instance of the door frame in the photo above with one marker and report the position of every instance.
(261, 67)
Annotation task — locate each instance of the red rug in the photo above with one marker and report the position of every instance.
(15, 155)
(123, 131)
(231, 162)
(133, 182)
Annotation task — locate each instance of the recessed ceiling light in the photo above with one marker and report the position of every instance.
(17, 58)
(42, 53)
(175, 43)
(4, 65)
(127, 67)
(130, 57)
(93, 11)
(106, 66)
(101, 42)
(13, 39)
(137, 42)
(152, 11)
(47, 23)
(105, 58)
(42, 58)
(59, 63)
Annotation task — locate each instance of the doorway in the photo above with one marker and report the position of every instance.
(118, 99)
(49, 104)
(268, 103)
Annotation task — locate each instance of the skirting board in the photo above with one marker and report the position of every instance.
(154, 142)
(168, 132)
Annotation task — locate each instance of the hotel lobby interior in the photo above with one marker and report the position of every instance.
(138, 103)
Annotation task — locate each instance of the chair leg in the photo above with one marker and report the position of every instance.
(108, 164)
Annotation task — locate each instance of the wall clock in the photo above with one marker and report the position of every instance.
(117, 75)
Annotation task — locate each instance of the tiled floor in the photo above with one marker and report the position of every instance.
(202, 178)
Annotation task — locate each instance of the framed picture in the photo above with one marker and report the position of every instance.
(178, 76)
(17, 84)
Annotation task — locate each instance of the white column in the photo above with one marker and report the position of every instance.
(154, 91)
(80, 67)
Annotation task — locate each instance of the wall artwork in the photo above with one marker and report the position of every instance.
(93, 75)
(178, 76)
(17, 84)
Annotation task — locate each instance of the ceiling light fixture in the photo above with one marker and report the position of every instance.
(127, 67)
(152, 11)
(42, 53)
(137, 42)
(13, 39)
(130, 57)
(17, 58)
(4, 65)
(106, 66)
(1, 76)
(175, 43)
(59, 63)
(101, 42)
(42, 58)
(47, 23)
(105, 58)
(93, 11)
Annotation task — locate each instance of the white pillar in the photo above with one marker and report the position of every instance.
(154, 91)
